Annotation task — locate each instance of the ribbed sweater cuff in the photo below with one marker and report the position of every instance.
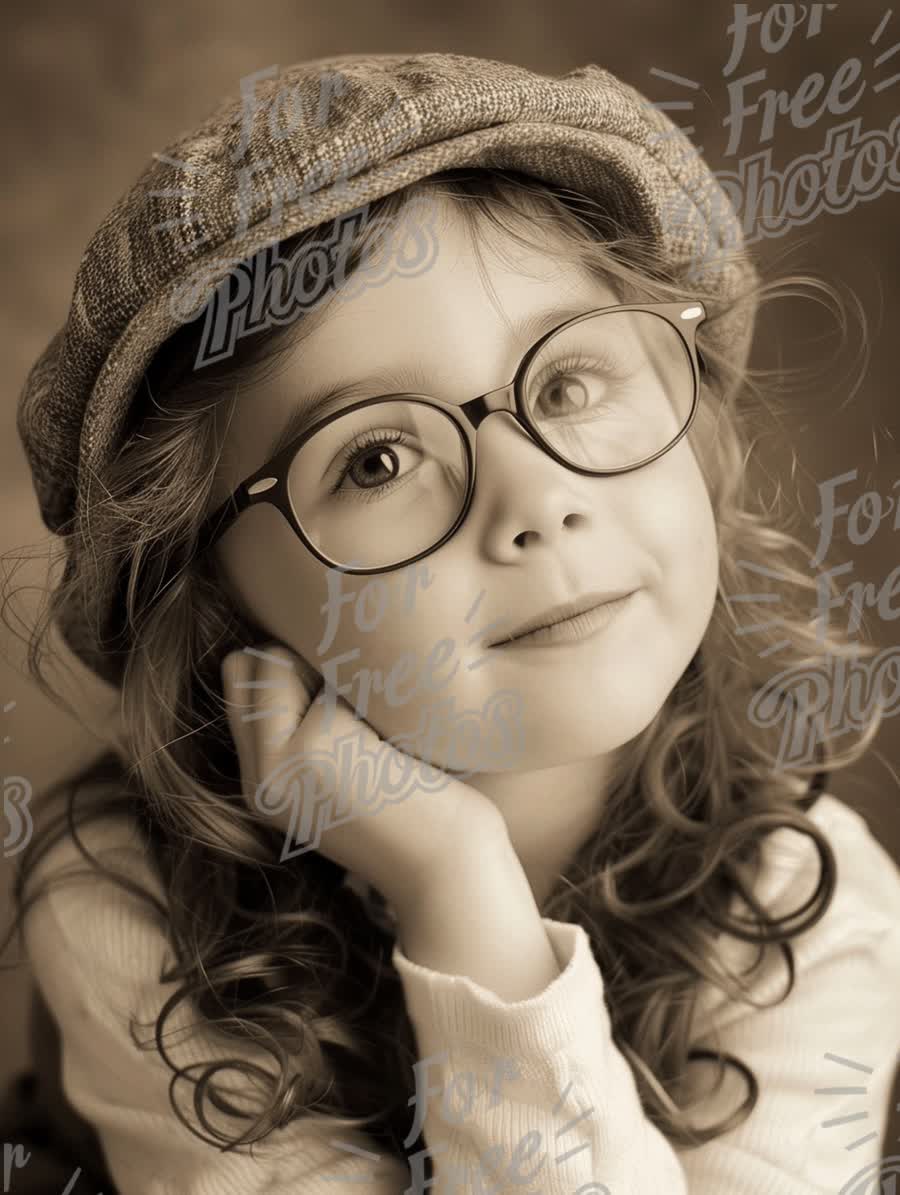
(446, 1009)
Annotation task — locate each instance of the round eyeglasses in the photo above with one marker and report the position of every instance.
(382, 482)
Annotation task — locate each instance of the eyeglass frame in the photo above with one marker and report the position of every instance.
(269, 483)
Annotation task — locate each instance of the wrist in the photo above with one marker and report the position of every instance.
(479, 920)
(485, 848)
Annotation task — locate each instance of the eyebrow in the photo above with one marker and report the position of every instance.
(407, 379)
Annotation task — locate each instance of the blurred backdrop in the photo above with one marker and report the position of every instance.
(92, 90)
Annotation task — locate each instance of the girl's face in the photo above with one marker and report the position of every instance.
(537, 534)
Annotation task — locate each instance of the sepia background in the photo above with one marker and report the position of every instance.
(93, 89)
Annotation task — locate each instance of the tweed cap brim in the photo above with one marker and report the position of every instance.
(392, 120)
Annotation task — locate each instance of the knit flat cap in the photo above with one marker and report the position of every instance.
(309, 143)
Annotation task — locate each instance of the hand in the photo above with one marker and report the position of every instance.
(281, 738)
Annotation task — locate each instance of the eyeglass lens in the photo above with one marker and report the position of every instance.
(383, 483)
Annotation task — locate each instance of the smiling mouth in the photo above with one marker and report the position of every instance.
(572, 628)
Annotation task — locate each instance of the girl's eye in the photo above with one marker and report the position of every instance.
(372, 462)
(567, 394)
(575, 386)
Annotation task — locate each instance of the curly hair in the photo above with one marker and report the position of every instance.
(681, 832)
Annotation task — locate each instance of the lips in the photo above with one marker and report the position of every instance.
(560, 613)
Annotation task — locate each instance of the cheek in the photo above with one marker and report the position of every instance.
(681, 530)
(434, 694)
(662, 531)
(410, 643)
(274, 580)
(675, 495)
(407, 648)
(392, 645)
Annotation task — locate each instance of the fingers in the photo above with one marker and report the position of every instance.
(297, 754)
(280, 700)
(237, 670)
(265, 700)
(312, 680)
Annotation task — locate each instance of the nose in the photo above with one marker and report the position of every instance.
(522, 497)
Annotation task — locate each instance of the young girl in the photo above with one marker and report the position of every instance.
(440, 846)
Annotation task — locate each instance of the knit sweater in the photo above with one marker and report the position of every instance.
(525, 1096)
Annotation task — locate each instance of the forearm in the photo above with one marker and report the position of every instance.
(478, 918)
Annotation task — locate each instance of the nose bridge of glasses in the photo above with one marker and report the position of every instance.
(501, 399)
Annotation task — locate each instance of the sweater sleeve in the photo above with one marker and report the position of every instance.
(96, 953)
(531, 1096)
(823, 1058)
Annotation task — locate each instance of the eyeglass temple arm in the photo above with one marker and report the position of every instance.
(222, 518)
